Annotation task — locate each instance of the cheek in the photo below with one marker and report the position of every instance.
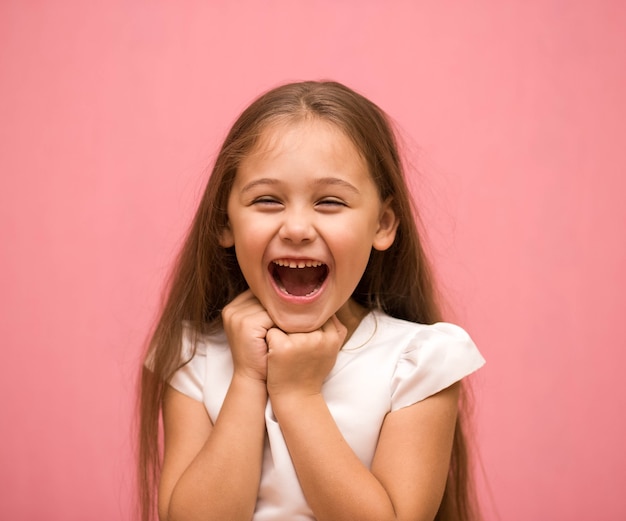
(251, 240)
(351, 249)
(249, 247)
(248, 231)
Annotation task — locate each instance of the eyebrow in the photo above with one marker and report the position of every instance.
(332, 181)
(257, 182)
(336, 181)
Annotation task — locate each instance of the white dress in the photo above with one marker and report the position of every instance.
(386, 364)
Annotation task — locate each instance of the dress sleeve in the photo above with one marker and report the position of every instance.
(189, 379)
(437, 356)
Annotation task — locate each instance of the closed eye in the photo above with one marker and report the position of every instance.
(331, 202)
(266, 201)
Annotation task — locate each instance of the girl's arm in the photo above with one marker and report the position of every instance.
(213, 471)
(410, 467)
(408, 473)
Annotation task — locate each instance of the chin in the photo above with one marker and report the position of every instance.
(298, 324)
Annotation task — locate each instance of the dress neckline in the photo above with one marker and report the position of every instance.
(363, 333)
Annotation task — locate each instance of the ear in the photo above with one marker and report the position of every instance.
(227, 239)
(387, 227)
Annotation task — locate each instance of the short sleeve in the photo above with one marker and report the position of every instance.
(436, 357)
(189, 379)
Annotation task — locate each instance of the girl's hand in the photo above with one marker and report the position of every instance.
(298, 363)
(246, 324)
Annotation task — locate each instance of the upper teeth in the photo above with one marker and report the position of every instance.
(298, 264)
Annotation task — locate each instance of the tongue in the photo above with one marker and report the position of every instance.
(300, 281)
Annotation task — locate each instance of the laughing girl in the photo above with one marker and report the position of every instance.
(299, 363)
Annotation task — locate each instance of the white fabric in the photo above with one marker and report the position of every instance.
(387, 364)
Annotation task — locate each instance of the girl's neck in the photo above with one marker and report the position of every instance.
(350, 315)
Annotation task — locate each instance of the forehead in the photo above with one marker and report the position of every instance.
(291, 136)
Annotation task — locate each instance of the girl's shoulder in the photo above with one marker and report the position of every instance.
(196, 349)
(414, 333)
(427, 357)
(198, 342)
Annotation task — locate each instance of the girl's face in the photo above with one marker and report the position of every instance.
(304, 214)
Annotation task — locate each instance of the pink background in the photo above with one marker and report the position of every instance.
(514, 113)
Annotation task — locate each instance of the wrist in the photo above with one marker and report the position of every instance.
(293, 403)
(248, 383)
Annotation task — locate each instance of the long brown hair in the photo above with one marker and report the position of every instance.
(206, 276)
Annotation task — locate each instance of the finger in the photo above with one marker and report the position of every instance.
(264, 319)
(274, 335)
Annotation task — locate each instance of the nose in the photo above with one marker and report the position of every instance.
(297, 227)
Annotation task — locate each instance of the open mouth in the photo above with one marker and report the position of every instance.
(298, 278)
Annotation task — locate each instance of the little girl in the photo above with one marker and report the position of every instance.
(299, 362)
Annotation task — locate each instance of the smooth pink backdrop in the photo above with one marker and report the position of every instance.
(514, 114)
